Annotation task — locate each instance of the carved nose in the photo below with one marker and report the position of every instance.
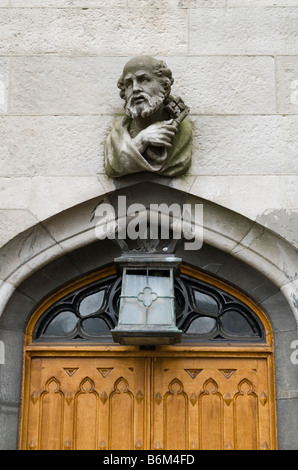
(136, 86)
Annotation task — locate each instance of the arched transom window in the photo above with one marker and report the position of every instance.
(204, 312)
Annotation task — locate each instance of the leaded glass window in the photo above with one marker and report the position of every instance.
(204, 313)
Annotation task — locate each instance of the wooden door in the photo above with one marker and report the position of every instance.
(87, 403)
(212, 404)
(154, 401)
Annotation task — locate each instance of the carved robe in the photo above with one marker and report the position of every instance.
(123, 158)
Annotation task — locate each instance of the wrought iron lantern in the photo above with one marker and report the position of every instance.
(147, 313)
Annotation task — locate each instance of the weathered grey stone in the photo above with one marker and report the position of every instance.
(243, 31)
(11, 371)
(76, 220)
(52, 145)
(262, 145)
(66, 85)
(48, 279)
(46, 196)
(223, 224)
(13, 222)
(22, 249)
(93, 31)
(286, 371)
(80, 85)
(287, 428)
(282, 221)
(117, 3)
(279, 312)
(287, 84)
(225, 85)
(4, 80)
(249, 195)
(68, 3)
(17, 311)
(247, 279)
(94, 256)
(9, 424)
(201, 3)
(261, 3)
(262, 242)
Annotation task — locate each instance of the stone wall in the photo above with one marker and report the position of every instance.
(235, 63)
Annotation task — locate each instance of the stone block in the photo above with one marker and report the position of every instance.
(201, 3)
(279, 254)
(262, 3)
(95, 31)
(231, 31)
(11, 371)
(287, 423)
(225, 85)
(21, 250)
(4, 79)
(94, 256)
(281, 316)
(47, 280)
(247, 279)
(68, 3)
(16, 311)
(230, 145)
(66, 85)
(9, 425)
(78, 85)
(46, 196)
(116, 3)
(283, 221)
(221, 224)
(286, 370)
(76, 220)
(52, 145)
(287, 84)
(13, 222)
(6, 291)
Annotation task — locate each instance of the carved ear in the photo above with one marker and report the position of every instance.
(167, 83)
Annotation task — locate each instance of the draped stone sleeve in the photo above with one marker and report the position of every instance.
(123, 158)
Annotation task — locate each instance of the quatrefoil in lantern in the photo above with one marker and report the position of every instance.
(146, 312)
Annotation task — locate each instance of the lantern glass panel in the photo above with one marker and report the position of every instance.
(147, 297)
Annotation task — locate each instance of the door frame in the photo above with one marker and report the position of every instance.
(250, 350)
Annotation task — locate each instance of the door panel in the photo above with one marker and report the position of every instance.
(126, 403)
(211, 404)
(87, 403)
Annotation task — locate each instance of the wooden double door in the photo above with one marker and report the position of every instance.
(148, 400)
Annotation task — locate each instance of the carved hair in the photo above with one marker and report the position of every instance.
(158, 67)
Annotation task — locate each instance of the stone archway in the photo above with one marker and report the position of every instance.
(65, 246)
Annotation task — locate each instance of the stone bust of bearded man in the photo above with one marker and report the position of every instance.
(155, 135)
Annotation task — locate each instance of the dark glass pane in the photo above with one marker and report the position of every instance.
(91, 304)
(201, 326)
(234, 323)
(205, 303)
(95, 326)
(62, 324)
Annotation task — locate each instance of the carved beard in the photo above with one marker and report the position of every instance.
(146, 108)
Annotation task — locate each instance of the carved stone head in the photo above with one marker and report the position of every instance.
(144, 85)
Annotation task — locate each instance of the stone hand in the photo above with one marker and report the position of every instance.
(159, 134)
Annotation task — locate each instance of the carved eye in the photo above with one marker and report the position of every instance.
(128, 83)
(144, 78)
